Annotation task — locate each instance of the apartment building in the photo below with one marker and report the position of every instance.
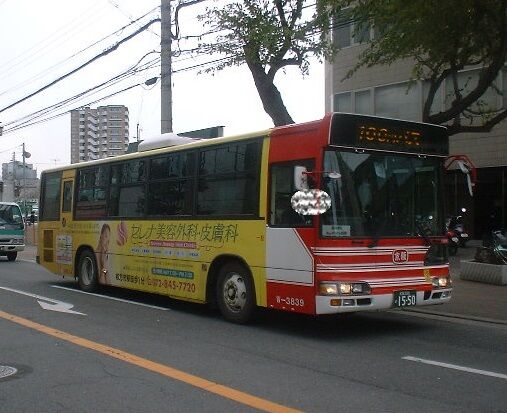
(98, 133)
(386, 91)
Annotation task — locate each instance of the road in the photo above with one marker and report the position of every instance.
(122, 351)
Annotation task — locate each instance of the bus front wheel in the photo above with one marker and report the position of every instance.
(11, 256)
(235, 293)
(87, 274)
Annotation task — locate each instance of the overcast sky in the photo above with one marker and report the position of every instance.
(40, 41)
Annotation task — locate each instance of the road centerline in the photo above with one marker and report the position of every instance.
(456, 367)
(170, 372)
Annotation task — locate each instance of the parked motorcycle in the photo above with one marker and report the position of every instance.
(452, 242)
(494, 248)
(456, 224)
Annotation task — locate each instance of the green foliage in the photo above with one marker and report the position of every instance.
(272, 33)
(442, 38)
(268, 35)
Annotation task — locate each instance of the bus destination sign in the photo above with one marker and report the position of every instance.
(369, 132)
(389, 136)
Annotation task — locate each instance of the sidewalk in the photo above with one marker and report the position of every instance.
(470, 300)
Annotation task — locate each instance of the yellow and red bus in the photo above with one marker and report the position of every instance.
(210, 221)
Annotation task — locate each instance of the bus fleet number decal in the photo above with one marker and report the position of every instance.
(293, 301)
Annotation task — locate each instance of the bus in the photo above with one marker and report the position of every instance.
(12, 230)
(218, 221)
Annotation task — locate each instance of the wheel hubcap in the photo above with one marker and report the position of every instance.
(87, 271)
(235, 292)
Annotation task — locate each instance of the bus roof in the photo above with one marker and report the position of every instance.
(326, 122)
(197, 143)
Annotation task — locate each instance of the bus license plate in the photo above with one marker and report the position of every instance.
(404, 298)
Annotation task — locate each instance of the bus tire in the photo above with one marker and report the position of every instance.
(87, 273)
(11, 256)
(235, 293)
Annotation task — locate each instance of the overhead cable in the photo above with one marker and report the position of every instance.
(104, 53)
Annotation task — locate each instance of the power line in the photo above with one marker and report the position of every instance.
(41, 74)
(104, 53)
(39, 47)
(129, 16)
(133, 70)
(65, 112)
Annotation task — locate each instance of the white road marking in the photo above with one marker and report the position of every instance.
(55, 305)
(456, 367)
(111, 298)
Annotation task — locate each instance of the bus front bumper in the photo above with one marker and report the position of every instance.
(325, 304)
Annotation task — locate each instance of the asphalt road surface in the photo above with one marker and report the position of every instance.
(65, 351)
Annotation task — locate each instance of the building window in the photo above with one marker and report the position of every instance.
(346, 33)
(436, 105)
(467, 81)
(363, 102)
(341, 35)
(398, 101)
(504, 88)
(342, 102)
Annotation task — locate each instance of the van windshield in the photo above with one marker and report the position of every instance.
(10, 215)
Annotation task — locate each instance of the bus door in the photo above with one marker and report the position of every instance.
(64, 241)
(289, 235)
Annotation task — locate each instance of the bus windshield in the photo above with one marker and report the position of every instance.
(376, 194)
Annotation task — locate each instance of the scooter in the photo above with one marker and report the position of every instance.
(456, 225)
(452, 242)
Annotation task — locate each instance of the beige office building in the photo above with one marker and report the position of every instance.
(98, 133)
(385, 91)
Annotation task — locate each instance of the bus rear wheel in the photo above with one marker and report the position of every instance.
(235, 293)
(11, 256)
(87, 273)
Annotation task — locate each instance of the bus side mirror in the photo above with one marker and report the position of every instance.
(300, 178)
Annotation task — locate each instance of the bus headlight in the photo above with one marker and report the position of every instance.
(441, 282)
(344, 288)
(328, 289)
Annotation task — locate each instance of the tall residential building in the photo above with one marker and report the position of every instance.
(98, 133)
(385, 90)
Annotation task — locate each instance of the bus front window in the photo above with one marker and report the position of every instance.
(379, 194)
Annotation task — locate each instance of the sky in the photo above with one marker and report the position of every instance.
(43, 40)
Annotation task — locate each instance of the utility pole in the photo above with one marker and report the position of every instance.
(166, 114)
(25, 155)
(24, 179)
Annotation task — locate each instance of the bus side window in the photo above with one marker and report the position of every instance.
(67, 196)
